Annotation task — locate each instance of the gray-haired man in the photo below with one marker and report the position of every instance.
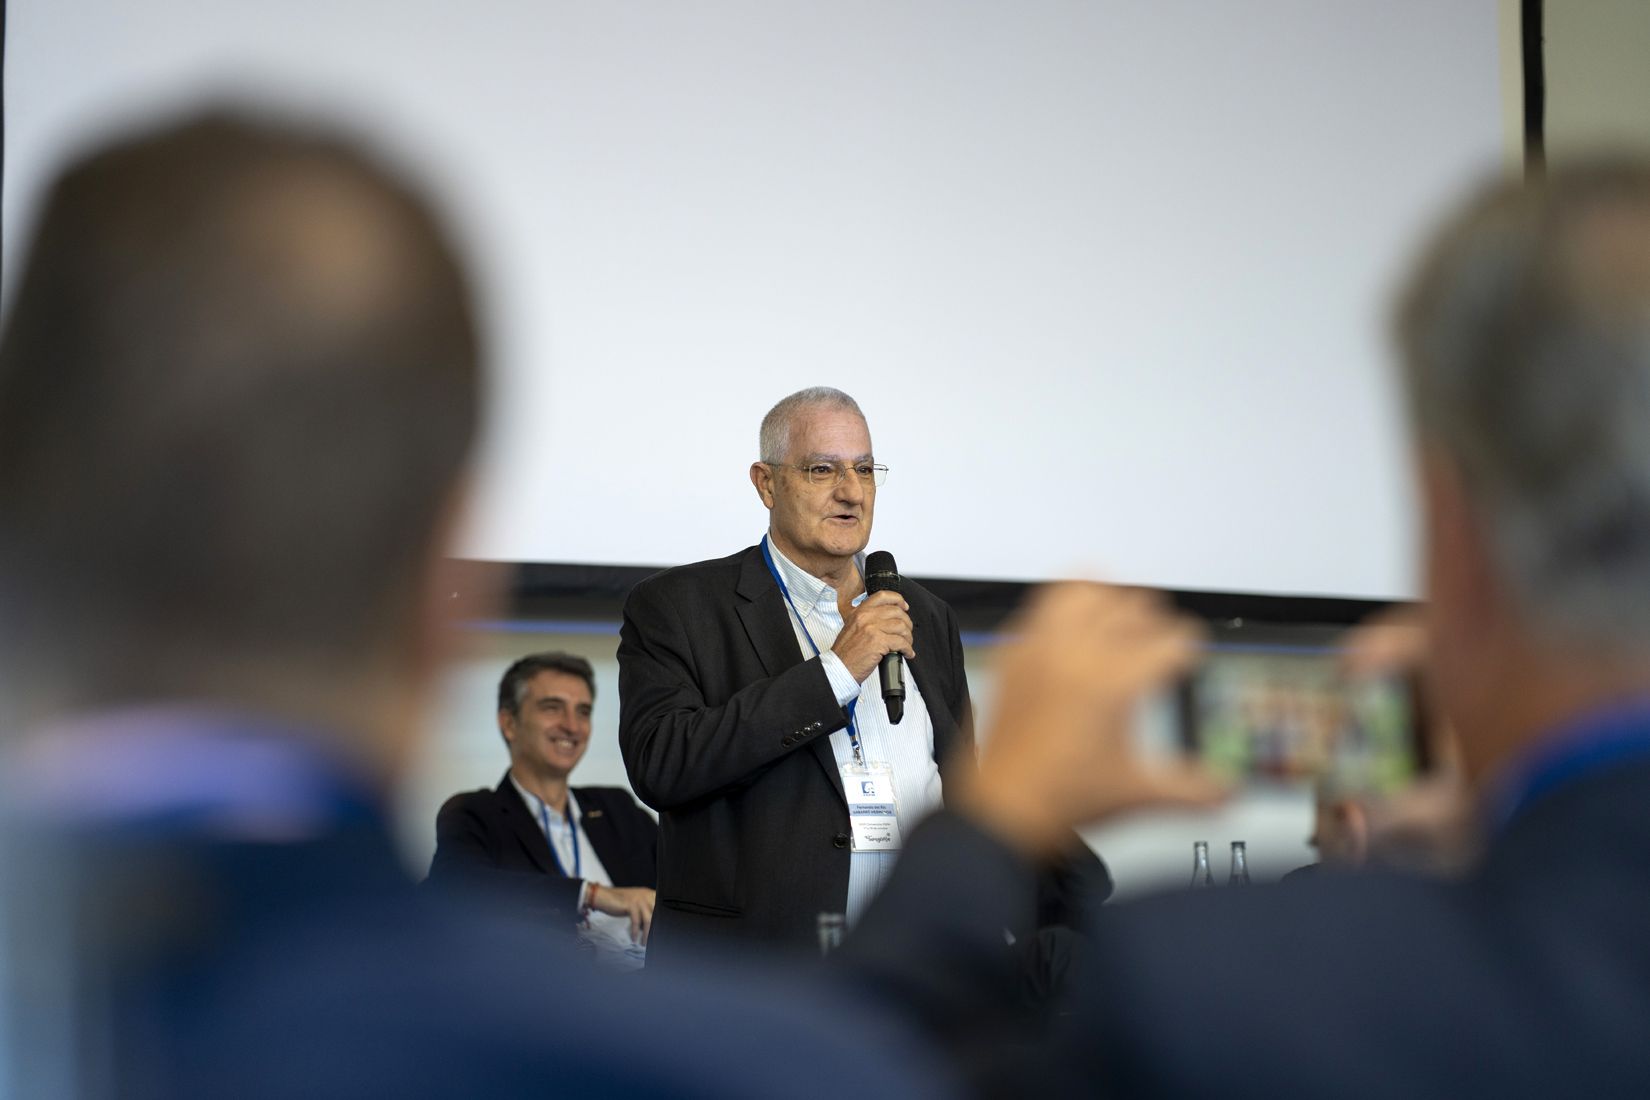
(750, 714)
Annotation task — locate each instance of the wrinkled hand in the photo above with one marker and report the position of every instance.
(1060, 749)
(880, 625)
(635, 902)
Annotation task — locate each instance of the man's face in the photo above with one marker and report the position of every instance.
(551, 728)
(829, 521)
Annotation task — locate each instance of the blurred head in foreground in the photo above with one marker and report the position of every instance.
(238, 385)
(237, 392)
(1525, 338)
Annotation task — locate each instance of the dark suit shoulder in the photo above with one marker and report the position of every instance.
(617, 803)
(602, 792)
(604, 797)
(466, 800)
(696, 574)
(922, 599)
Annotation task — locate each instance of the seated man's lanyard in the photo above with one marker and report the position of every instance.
(853, 729)
(544, 818)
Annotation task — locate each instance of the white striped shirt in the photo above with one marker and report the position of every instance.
(907, 748)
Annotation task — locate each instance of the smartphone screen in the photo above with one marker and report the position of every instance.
(1285, 714)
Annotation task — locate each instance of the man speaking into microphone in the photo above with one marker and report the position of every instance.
(752, 713)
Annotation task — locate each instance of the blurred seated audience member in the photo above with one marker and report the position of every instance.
(239, 384)
(559, 853)
(1421, 828)
(1525, 345)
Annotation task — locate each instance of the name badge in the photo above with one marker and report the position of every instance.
(872, 806)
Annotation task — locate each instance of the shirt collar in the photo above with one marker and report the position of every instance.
(1590, 742)
(538, 806)
(807, 591)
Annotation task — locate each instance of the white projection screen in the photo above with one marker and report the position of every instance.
(1109, 277)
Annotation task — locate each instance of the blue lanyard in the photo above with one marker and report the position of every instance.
(853, 728)
(544, 818)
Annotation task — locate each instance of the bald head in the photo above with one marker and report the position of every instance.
(774, 437)
(237, 386)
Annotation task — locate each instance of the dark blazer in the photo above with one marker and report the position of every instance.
(487, 840)
(1528, 977)
(725, 731)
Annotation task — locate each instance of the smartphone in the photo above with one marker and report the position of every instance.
(1285, 714)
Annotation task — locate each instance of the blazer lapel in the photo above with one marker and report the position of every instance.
(766, 619)
(518, 820)
(767, 623)
(598, 829)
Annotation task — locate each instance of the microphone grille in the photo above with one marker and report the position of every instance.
(881, 574)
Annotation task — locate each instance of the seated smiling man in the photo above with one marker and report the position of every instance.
(549, 850)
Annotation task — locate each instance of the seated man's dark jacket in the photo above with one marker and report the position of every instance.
(725, 729)
(488, 842)
(1528, 977)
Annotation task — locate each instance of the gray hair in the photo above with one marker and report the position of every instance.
(1525, 337)
(774, 439)
(512, 686)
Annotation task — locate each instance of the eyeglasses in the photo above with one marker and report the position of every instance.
(833, 473)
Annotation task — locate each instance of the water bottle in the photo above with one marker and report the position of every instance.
(1201, 875)
(1239, 875)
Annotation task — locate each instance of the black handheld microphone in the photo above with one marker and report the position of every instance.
(881, 575)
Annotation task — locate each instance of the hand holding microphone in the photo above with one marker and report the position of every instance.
(879, 632)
